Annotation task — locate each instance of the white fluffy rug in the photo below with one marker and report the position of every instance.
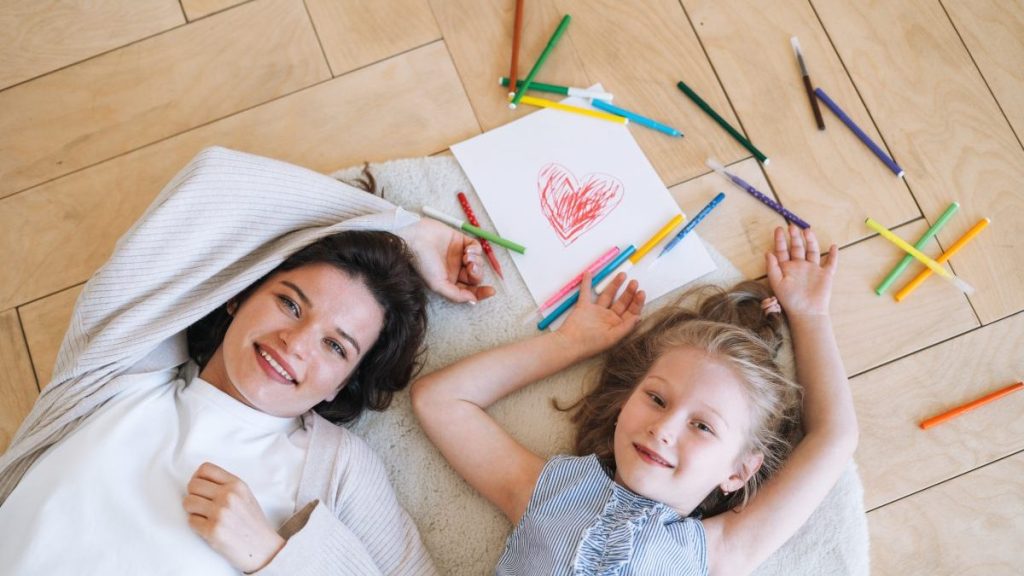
(464, 533)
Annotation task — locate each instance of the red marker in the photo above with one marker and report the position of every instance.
(488, 251)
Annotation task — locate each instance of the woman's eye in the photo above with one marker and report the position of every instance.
(656, 399)
(337, 348)
(290, 305)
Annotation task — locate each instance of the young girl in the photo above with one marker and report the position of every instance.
(690, 415)
(301, 310)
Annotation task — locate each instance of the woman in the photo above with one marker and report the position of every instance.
(138, 459)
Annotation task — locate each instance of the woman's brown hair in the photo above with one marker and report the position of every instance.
(730, 326)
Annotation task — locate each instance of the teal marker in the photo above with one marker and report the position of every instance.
(633, 116)
(543, 324)
(478, 232)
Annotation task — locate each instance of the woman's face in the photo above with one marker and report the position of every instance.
(295, 341)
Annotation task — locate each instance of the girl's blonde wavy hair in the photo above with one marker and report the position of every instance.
(730, 326)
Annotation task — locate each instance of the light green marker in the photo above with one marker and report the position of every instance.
(921, 243)
(478, 232)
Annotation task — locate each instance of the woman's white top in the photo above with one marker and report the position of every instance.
(125, 472)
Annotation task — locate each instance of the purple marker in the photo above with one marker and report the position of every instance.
(756, 193)
(860, 133)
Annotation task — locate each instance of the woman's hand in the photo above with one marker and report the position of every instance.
(796, 274)
(222, 510)
(450, 262)
(593, 327)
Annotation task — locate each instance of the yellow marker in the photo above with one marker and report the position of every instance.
(920, 256)
(967, 237)
(658, 237)
(647, 247)
(543, 103)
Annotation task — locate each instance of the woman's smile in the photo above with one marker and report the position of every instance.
(274, 366)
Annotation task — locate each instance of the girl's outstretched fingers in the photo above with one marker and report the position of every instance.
(607, 296)
(797, 250)
(781, 246)
(626, 302)
(832, 260)
(813, 250)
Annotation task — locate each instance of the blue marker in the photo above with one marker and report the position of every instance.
(565, 305)
(693, 223)
(633, 116)
(860, 133)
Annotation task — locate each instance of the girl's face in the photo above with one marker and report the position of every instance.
(294, 342)
(683, 431)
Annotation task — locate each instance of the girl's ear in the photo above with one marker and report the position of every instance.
(232, 307)
(745, 469)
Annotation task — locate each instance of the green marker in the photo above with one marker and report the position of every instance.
(478, 232)
(928, 235)
(540, 61)
(721, 122)
(565, 90)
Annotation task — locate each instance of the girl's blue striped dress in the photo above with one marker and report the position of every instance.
(579, 522)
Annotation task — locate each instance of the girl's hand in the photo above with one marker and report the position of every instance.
(450, 262)
(796, 274)
(593, 327)
(222, 510)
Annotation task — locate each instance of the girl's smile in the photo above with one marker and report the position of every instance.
(683, 431)
(651, 456)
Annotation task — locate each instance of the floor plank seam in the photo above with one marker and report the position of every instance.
(867, 109)
(28, 351)
(946, 480)
(981, 74)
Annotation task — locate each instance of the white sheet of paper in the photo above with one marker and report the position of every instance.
(601, 191)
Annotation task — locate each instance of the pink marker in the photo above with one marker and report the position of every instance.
(593, 268)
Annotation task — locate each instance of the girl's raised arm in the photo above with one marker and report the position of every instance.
(451, 403)
(740, 542)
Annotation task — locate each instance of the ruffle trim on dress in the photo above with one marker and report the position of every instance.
(607, 545)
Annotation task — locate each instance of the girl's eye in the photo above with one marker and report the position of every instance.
(337, 348)
(656, 399)
(703, 427)
(290, 305)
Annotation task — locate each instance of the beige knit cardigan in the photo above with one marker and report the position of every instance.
(224, 221)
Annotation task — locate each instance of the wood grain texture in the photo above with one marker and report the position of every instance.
(740, 228)
(156, 88)
(827, 177)
(636, 49)
(478, 34)
(993, 31)
(944, 127)
(18, 389)
(895, 456)
(969, 526)
(44, 322)
(58, 234)
(355, 33)
(872, 329)
(39, 37)
(195, 9)
(639, 50)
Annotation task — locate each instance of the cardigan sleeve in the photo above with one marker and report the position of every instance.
(359, 527)
(223, 221)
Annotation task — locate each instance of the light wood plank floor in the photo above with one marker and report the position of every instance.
(101, 102)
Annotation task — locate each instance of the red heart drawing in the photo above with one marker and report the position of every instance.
(571, 208)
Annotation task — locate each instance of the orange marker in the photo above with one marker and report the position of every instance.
(970, 234)
(935, 420)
